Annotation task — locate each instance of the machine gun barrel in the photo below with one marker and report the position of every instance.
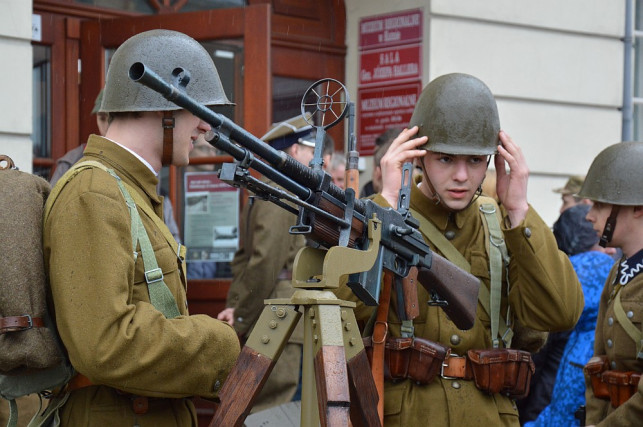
(305, 178)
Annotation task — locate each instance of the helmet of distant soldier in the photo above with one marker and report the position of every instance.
(615, 175)
(459, 115)
(162, 51)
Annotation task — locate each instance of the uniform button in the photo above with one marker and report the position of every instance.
(217, 385)
(450, 235)
(609, 343)
(610, 321)
(613, 365)
(527, 232)
(455, 339)
(629, 314)
(455, 385)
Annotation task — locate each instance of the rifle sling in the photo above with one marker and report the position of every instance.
(380, 332)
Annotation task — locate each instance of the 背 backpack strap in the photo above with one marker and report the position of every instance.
(631, 330)
(498, 257)
(160, 295)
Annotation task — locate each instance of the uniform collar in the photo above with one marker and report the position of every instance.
(630, 268)
(437, 213)
(126, 165)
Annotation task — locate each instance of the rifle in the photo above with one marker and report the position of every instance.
(327, 214)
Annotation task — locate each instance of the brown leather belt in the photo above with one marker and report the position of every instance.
(20, 323)
(455, 366)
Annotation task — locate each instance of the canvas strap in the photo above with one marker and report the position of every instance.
(631, 330)
(160, 295)
(497, 251)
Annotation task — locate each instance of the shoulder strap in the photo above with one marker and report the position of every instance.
(498, 256)
(631, 330)
(160, 295)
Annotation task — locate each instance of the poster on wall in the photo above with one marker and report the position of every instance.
(390, 74)
(211, 227)
(382, 108)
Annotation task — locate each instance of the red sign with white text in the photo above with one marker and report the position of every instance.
(389, 30)
(391, 65)
(381, 108)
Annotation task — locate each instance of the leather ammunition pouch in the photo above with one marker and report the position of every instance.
(621, 385)
(417, 359)
(594, 370)
(505, 371)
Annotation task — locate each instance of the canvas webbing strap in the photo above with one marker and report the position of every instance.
(160, 295)
(631, 330)
(484, 295)
(498, 256)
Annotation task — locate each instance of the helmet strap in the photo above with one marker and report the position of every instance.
(610, 224)
(425, 178)
(168, 137)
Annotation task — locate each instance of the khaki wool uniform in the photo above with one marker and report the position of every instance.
(113, 334)
(261, 269)
(545, 295)
(612, 340)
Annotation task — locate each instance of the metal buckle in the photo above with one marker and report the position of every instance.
(28, 316)
(446, 364)
(153, 276)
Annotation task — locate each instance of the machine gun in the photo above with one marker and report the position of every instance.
(329, 215)
(355, 237)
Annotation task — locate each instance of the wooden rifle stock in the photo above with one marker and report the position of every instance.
(458, 287)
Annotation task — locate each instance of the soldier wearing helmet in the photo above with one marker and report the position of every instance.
(614, 393)
(119, 289)
(527, 284)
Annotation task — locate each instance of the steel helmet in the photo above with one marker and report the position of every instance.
(459, 115)
(615, 175)
(162, 51)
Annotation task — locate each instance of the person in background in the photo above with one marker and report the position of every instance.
(382, 142)
(262, 266)
(577, 238)
(614, 392)
(569, 191)
(72, 156)
(337, 169)
(139, 355)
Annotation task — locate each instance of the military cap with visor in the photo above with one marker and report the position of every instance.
(295, 130)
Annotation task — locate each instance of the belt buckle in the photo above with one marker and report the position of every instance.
(446, 364)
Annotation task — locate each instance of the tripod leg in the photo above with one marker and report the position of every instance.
(257, 358)
(330, 366)
(364, 396)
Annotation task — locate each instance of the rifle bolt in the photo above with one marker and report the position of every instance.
(281, 313)
(272, 324)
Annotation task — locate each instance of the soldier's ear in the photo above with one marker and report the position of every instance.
(638, 211)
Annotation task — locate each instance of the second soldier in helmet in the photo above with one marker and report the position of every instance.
(453, 135)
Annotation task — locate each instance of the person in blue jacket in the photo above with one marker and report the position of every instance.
(577, 238)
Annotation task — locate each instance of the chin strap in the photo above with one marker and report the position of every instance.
(168, 137)
(608, 231)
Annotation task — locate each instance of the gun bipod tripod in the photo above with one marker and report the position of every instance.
(337, 384)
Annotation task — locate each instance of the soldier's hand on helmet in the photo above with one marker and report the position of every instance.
(512, 184)
(227, 315)
(403, 149)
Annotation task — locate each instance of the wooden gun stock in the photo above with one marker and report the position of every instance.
(454, 285)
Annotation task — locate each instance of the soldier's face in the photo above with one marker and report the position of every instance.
(455, 178)
(187, 129)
